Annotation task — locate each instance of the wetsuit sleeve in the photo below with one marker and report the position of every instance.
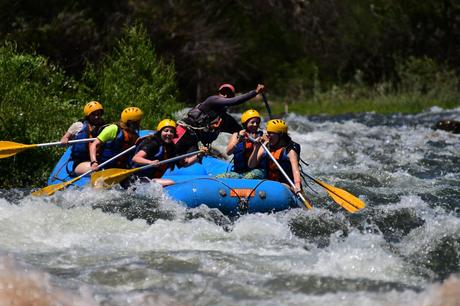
(218, 101)
(75, 128)
(109, 133)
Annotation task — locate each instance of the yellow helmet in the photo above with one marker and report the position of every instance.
(249, 114)
(92, 106)
(277, 126)
(166, 123)
(131, 114)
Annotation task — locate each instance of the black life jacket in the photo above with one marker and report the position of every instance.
(198, 117)
(160, 153)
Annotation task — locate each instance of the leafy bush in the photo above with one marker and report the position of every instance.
(422, 83)
(424, 76)
(133, 76)
(39, 101)
(34, 108)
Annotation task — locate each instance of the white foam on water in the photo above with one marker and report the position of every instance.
(248, 264)
(363, 256)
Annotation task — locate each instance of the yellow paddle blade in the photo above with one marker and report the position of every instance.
(109, 177)
(51, 189)
(9, 148)
(343, 198)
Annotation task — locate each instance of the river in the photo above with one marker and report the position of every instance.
(137, 247)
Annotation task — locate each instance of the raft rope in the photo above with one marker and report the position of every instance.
(243, 202)
(188, 126)
(55, 177)
(304, 176)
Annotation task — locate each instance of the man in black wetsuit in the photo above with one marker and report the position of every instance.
(206, 120)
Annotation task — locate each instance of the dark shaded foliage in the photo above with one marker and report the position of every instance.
(295, 47)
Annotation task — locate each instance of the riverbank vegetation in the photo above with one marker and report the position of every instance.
(39, 101)
(422, 84)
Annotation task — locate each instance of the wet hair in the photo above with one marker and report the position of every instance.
(284, 141)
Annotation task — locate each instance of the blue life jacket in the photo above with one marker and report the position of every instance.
(80, 151)
(281, 156)
(122, 141)
(241, 155)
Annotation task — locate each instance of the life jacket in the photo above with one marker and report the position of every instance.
(197, 117)
(161, 153)
(80, 151)
(122, 141)
(281, 156)
(242, 153)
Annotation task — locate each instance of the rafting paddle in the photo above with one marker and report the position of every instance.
(345, 199)
(299, 193)
(49, 190)
(113, 176)
(264, 98)
(9, 148)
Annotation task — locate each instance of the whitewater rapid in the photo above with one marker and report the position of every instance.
(138, 247)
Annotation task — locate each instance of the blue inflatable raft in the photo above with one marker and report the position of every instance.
(197, 185)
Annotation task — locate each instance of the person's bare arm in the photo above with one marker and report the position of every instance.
(234, 140)
(140, 158)
(71, 132)
(256, 155)
(93, 147)
(219, 101)
(65, 139)
(187, 161)
(294, 159)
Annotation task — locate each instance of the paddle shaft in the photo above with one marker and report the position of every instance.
(9, 148)
(60, 143)
(349, 198)
(267, 106)
(168, 160)
(299, 194)
(103, 164)
(114, 175)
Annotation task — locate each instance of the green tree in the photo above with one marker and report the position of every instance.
(133, 75)
(35, 106)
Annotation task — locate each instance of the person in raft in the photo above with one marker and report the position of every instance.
(283, 149)
(115, 138)
(206, 120)
(157, 147)
(241, 147)
(88, 127)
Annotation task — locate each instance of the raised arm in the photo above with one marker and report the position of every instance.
(214, 101)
